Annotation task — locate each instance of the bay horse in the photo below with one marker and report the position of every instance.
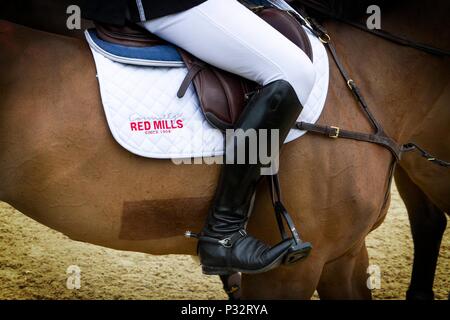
(60, 166)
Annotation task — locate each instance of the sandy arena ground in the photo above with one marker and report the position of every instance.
(34, 260)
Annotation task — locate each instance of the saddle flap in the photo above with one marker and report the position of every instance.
(222, 95)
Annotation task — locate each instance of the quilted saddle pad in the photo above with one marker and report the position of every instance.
(146, 117)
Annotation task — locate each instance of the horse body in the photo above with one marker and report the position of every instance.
(60, 165)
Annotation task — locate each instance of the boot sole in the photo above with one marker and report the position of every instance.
(223, 271)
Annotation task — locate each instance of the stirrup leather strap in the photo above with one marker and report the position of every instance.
(281, 212)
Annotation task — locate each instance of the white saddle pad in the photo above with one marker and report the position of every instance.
(147, 118)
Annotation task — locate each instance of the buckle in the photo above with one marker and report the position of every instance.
(256, 8)
(350, 84)
(325, 38)
(190, 234)
(242, 232)
(233, 289)
(337, 130)
(226, 242)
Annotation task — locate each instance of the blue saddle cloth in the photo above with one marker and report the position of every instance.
(156, 56)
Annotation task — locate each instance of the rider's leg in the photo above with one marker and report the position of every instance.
(224, 245)
(227, 35)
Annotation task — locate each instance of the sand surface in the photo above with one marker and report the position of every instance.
(34, 261)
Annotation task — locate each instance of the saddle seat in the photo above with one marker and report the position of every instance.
(128, 35)
(222, 95)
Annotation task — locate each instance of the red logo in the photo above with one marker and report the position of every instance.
(156, 126)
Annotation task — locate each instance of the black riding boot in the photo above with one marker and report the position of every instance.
(224, 246)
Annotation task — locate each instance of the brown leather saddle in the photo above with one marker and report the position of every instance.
(222, 95)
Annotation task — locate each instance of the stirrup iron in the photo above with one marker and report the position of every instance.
(300, 249)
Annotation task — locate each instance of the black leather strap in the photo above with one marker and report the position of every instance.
(280, 211)
(336, 132)
(379, 33)
(379, 137)
(397, 39)
(414, 147)
(226, 242)
(192, 73)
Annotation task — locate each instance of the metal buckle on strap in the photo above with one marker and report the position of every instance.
(226, 242)
(337, 130)
(256, 9)
(233, 289)
(242, 232)
(350, 84)
(325, 38)
(190, 234)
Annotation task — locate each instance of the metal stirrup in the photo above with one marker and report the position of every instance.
(281, 212)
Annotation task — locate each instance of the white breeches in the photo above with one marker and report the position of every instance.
(225, 34)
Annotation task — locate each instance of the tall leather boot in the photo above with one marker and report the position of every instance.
(224, 246)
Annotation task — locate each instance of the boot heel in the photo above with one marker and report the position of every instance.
(297, 252)
(215, 271)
